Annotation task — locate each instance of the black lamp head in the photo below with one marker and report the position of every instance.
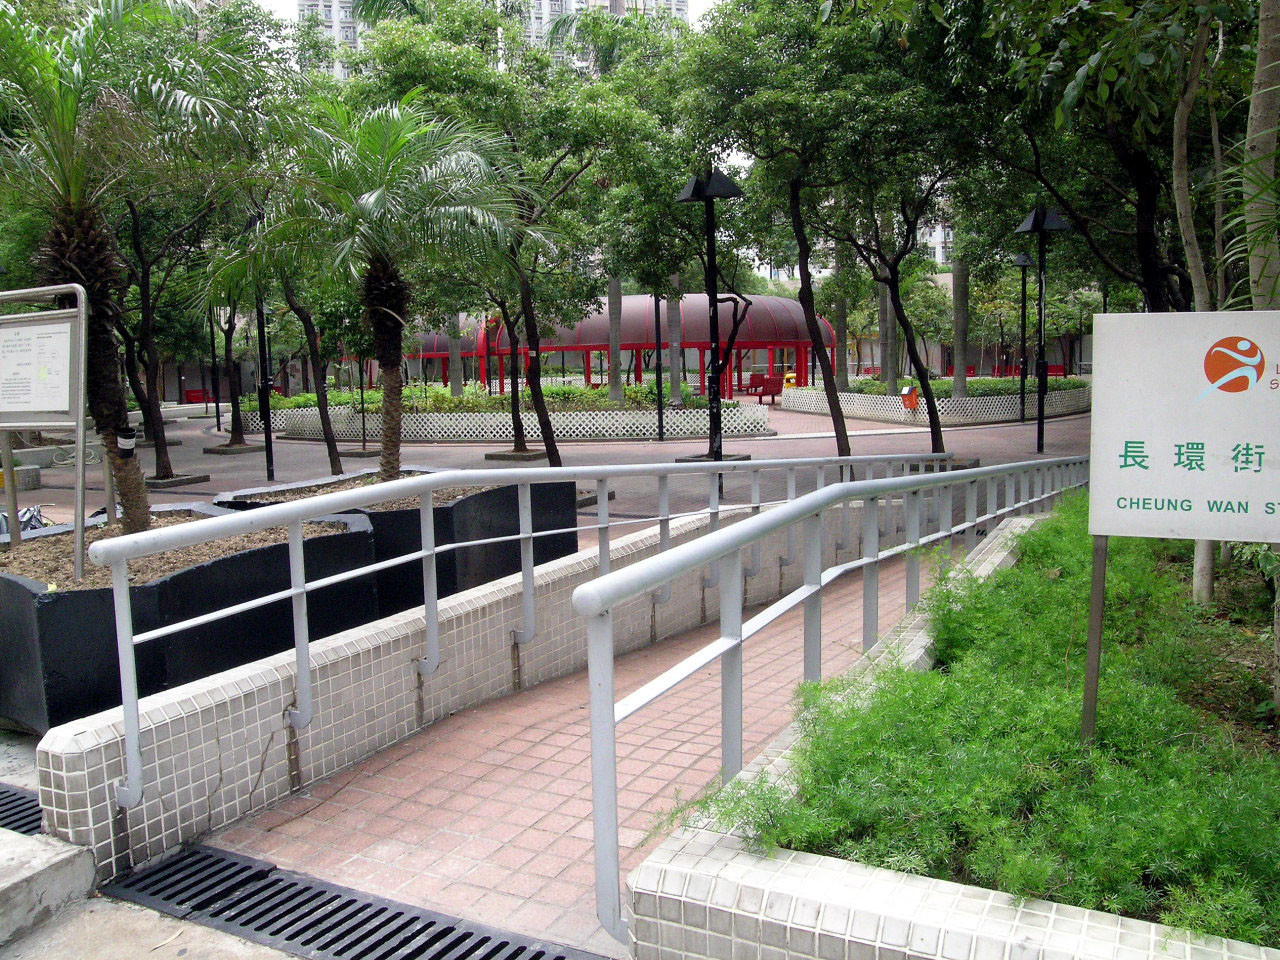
(1024, 260)
(718, 187)
(1042, 218)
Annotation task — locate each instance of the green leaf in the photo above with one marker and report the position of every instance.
(1146, 58)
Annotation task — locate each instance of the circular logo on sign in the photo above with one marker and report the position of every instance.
(1233, 364)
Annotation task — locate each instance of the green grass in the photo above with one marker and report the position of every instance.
(974, 771)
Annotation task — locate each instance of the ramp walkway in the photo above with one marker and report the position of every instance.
(487, 813)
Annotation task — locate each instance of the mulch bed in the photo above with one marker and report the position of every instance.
(50, 559)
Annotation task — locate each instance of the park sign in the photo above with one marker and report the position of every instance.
(1185, 438)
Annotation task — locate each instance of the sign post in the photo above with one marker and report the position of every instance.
(1185, 439)
(42, 365)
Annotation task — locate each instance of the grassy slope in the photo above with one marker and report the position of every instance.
(974, 772)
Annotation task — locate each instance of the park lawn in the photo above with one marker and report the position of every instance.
(974, 771)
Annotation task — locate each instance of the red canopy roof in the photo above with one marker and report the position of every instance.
(770, 322)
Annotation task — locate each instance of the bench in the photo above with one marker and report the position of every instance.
(761, 385)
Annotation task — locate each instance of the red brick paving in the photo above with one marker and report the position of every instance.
(487, 814)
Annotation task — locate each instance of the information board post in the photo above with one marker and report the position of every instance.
(1184, 440)
(42, 367)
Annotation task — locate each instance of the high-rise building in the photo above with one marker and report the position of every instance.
(542, 13)
(338, 24)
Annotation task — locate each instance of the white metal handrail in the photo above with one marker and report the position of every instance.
(118, 551)
(1009, 489)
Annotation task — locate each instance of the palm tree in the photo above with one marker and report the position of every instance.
(370, 191)
(64, 115)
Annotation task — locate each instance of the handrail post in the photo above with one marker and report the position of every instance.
(529, 614)
(813, 604)
(911, 510)
(664, 530)
(731, 665)
(602, 526)
(1010, 494)
(946, 510)
(870, 573)
(304, 708)
(128, 790)
(845, 540)
(713, 524)
(970, 515)
(604, 775)
(429, 663)
(790, 558)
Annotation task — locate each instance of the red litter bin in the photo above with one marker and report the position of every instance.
(910, 398)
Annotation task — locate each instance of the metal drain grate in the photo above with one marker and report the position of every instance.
(19, 810)
(313, 918)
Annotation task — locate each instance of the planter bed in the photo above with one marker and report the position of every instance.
(622, 424)
(952, 412)
(974, 777)
(460, 514)
(58, 642)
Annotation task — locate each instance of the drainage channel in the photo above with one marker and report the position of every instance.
(19, 810)
(312, 918)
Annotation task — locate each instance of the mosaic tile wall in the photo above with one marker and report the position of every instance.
(220, 748)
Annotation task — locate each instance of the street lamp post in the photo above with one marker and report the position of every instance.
(714, 186)
(1040, 221)
(1022, 261)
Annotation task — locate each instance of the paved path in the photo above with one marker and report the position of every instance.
(487, 814)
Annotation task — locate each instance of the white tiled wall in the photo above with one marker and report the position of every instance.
(218, 749)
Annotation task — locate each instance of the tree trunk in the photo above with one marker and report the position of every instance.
(1148, 188)
(78, 249)
(233, 381)
(317, 368)
(675, 336)
(888, 341)
(1261, 205)
(615, 339)
(960, 319)
(455, 360)
(1181, 169)
(535, 372)
(811, 322)
(518, 441)
(841, 326)
(921, 370)
(164, 467)
(386, 304)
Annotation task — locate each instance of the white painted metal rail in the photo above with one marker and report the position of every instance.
(1008, 489)
(117, 552)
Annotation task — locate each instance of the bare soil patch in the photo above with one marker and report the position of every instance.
(439, 498)
(50, 559)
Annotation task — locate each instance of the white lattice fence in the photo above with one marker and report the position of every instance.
(569, 425)
(864, 406)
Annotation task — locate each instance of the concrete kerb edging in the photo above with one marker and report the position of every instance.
(703, 894)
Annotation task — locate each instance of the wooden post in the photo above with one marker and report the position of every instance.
(1093, 658)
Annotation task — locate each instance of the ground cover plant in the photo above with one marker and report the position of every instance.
(974, 771)
(430, 398)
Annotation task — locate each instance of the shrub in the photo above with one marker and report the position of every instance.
(978, 386)
(974, 771)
